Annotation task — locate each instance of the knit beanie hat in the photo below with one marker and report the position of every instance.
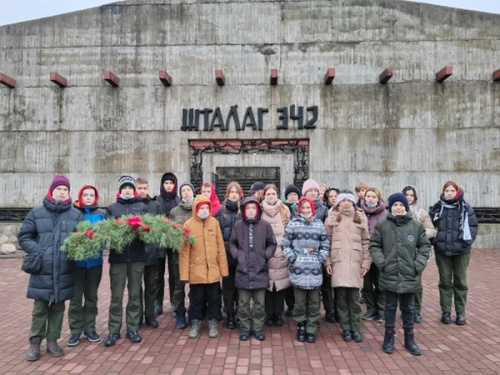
(59, 180)
(292, 189)
(168, 177)
(186, 184)
(398, 197)
(126, 181)
(308, 185)
(412, 188)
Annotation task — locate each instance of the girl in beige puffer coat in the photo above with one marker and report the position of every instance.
(347, 231)
(277, 214)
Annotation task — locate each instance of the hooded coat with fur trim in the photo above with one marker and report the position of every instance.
(204, 262)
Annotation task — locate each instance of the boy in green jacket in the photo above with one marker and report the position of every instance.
(400, 249)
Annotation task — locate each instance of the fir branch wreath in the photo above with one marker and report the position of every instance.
(89, 238)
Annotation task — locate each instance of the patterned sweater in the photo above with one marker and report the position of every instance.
(306, 248)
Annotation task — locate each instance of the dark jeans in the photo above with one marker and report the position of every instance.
(179, 297)
(229, 291)
(201, 294)
(160, 279)
(275, 301)
(406, 306)
(453, 281)
(148, 293)
(418, 299)
(82, 310)
(374, 296)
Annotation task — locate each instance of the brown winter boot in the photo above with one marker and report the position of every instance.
(33, 353)
(54, 348)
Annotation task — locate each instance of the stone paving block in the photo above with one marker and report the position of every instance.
(166, 350)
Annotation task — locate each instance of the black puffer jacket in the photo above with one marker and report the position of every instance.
(55, 281)
(135, 252)
(252, 271)
(447, 216)
(400, 248)
(153, 208)
(227, 217)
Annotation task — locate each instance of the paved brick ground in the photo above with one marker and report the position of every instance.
(471, 349)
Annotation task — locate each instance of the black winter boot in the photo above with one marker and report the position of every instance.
(410, 344)
(301, 331)
(231, 322)
(33, 353)
(388, 346)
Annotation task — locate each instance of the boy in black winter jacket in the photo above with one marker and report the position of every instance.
(126, 268)
(148, 293)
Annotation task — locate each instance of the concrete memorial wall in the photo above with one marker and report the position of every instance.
(385, 118)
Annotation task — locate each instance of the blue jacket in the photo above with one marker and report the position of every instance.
(92, 214)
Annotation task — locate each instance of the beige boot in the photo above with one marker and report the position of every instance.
(195, 329)
(33, 353)
(212, 328)
(54, 348)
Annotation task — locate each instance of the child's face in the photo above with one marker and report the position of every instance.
(332, 197)
(234, 194)
(410, 196)
(204, 209)
(186, 192)
(398, 208)
(305, 208)
(168, 186)
(250, 210)
(292, 197)
(345, 204)
(143, 190)
(361, 193)
(127, 191)
(271, 195)
(450, 192)
(61, 192)
(371, 197)
(88, 197)
(312, 193)
(206, 191)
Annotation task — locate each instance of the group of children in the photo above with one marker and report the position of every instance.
(265, 251)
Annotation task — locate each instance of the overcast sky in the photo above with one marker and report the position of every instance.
(13, 11)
